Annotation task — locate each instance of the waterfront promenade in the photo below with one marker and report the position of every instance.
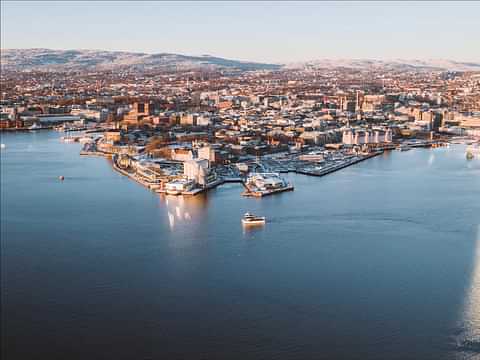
(283, 166)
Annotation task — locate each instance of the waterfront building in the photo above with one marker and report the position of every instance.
(208, 153)
(181, 154)
(88, 114)
(149, 171)
(266, 181)
(178, 186)
(199, 171)
(56, 118)
(365, 136)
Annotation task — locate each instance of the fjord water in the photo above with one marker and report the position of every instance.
(377, 261)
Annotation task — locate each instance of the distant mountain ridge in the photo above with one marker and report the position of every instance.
(398, 64)
(61, 60)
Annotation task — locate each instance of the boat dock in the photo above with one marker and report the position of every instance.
(94, 153)
(257, 185)
(262, 193)
(332, 168)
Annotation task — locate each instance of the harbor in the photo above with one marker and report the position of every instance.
(139, 241)
(239, 180)
(261, 178)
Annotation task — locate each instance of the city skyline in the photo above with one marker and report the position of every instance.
(301, 31)
(240, 180)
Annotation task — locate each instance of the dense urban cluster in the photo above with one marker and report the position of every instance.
(183, 131)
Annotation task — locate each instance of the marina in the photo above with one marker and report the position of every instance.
(261, 179)
(256, 184)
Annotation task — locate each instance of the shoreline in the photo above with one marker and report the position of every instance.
(156, 187)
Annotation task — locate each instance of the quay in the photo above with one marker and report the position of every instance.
(256, 185)
(94, 153)
(262, 193)
(232, 180)
(25, 129)
(250, 191)
(263, 184)
(334, 168)
(195, 191)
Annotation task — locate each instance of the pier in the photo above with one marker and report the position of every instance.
(250, 189)
(333, 168)
(262, 193)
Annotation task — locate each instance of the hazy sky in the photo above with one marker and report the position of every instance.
(267, 31)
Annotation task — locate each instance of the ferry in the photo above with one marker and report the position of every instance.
(35, 126)
(250, 219)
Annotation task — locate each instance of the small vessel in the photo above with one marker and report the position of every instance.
(404, 147)
(68, 139)
(61, 177)
(250, 219)
(85, 139)
(3, 146)
(35, 126)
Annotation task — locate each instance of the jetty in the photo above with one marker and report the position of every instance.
(335, 167)
(266, 192)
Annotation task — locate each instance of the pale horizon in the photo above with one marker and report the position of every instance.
(268, 32)
(250, 60)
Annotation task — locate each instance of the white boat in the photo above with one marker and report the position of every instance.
(250, 219)
(35, 126)
(64, 127)
(85, 139)
(404, 147)
(68, 139)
